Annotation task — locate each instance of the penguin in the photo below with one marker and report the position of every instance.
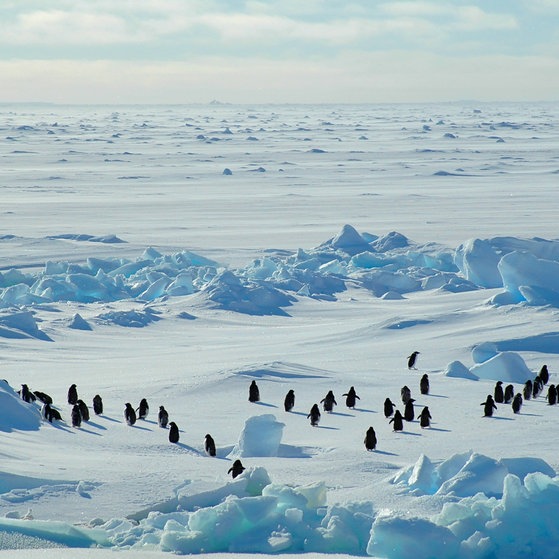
(129, 414)
(26, 394)
(412, 359)
(409, 412)
(314, 415)
(370, 439)
(509, 394)
(72, 395)
(45, 398)
(328, 402)
(143, 409)
(236, 469)
(51, 414)
(544, 374)
(351, 396)
(162, 417)
(253, 392)
(424, 384)
(517, 403)
(398, 421)
(498, 393)
(528, 389)
(76, 416)
(388, 407)
(97, 404)
(84, 410)
(173, 432)
(209, 445)
(424, 417)
(289, 401)
(552, 395)
(405, 393)
(536, 387)
(489, 406)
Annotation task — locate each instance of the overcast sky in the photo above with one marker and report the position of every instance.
(278, 51)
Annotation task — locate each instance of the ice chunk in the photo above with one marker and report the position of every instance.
(261, 436)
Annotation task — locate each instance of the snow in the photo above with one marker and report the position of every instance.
(130, 266)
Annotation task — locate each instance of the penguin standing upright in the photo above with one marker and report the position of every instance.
(209, 445)
(552, 395)
(236, 469)
(173, 432)
(97, 404)
(388, 407)
(314, 415)
(489, 406)
(289, 401)
(528, 387)
(424, 417)
(398, 421)
(84, 410)
(328, 402)
(76, 416)
(409, 412)
(424, 384)
(26, 394)
(405, 393)
(129, 414)
(253, 392)
(143, 409)
(509, 394)
(162, 417)
(517, 403)
(537, 387)
(544, 374)
(412, 359)
(72, 395)
(351, 398)
(370, 439)
(498, 393)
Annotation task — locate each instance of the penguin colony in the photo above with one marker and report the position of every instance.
(79, 411)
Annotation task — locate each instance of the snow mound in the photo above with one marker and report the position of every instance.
(79, 323)
(457, 369)
(129, 319)
(261, 436)
(506, 366)
(21, 325)
(17, 414)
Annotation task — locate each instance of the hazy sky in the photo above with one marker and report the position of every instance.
(278, 51)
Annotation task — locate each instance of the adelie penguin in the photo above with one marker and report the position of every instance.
(424, 417)
(173, 432)
(409, 412)
(314, 415)
(209, 445)
(328, 402)
(489, 406)
(405, 393)
(509, 394)
(236, 469)
(351, 398)
(50, 414)
(552, 395)
(143, 409)
(498, 393)
(26, 394)
(289, 401)
(253, 392)
(162, 417)
(84, 410)
(129, 414)
(424, 384)
(76, 416)
(45, 398)
(398, 421)
(370, 439)
(544, 374)
(72, 395)
(517, 403)
(537, 387)
(527, 392)
(97, 404)
(388, 407)
(412, 360)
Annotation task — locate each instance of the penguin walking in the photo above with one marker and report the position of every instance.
(76, 416)
(314, 415)
(50, 414)
(143, 409)
(26, 394)
(370, 439)
(424, 384)
(397, 420)
(412, 360)
(84, 410)
(209, 445)
(328, 402)
(489, 406)
(544, 374)
(162, 417)
(405, 393)
(97, 404)
(498, 394)
(236, 469)
(129, 414)
(173, 432)
(552, 395)
(253, 392)
(517, 403)
(289, 401)
(351, 398)
(45, 398)
(72, 395)
(424, 417)
(527, 391)
(509, 394)
(409, 411)
(388, 407)
(537, 387)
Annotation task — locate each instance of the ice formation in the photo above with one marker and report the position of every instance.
(261, 436)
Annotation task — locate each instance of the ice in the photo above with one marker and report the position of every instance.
(506, 366)
(16, 414)
(261, 436)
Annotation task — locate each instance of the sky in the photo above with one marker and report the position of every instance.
(278, 51)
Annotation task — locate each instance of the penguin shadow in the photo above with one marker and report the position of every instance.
(61, 426)
(298, 413)
(97, 425)
(190, 449)
(430, 428)
(109, 418)
(341, 414)
(150, 421)
(329, 428)
(435, 395)
(364, 410)
(88, 431)
(410, 433)
(502, 418)
(529, 414)
(136, 426)
(265, 404)
(384, 452)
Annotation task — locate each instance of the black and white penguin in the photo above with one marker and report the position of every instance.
(528, 387)
(424, 384)
(517, 403)
(84, 410)
(314, 415)
(328, 402)
(97, 404)
(289, 401)
(537, 387)
(351, 398)
(509, 394)
(162, 417)
(50, 414)
(173, 432)
(143, 409)
(72, 395)
(253, 392)
(236, 469)
(552, 395)
(409, 412)
(398, 421)
(129, 414)
(405, 393)
(209, 445)
(370, 439)
(26, 394)
(489, 406)
(45, 398)
(388, 407)
(424, 417)
(412, 359)
(76, 416)
(544, 374)
(498, 394)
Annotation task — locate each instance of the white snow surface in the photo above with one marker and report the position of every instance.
(342, 240)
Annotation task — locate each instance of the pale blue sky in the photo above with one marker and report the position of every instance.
(185, 51)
